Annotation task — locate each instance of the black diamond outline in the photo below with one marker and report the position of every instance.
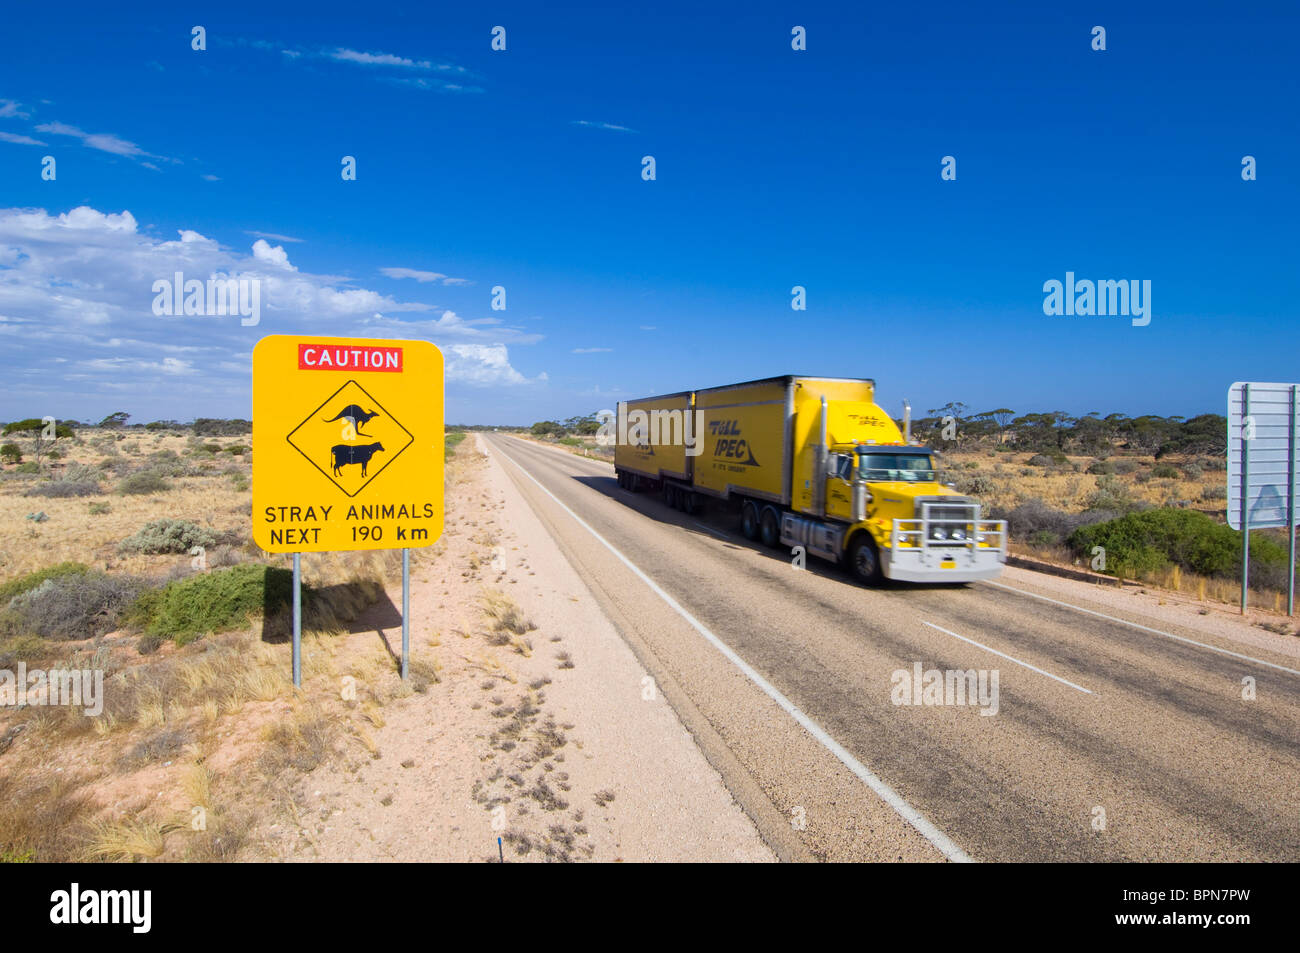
(392, 459)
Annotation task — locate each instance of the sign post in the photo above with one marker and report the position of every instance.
(348, 452)
(1262, 475)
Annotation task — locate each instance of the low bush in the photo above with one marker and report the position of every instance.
(74, 606)
(15, 587)
(1125, 467)
(1101, 467)
(142, 482)
(65, 488)
(1038, 523)
(167, 536)
(1151, 540)
(975, 484)
(215, 601)
(1112, 496)
(1165, 471)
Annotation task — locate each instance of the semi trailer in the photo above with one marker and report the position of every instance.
(811, 462)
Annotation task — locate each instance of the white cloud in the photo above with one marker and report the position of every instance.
(601, 125)
(11, 110)
(274, 254)
(424, 277)
(482, 364)
(19, 140)
(273, 237)
(592, 350)
(420, 276)
(77, 321)
(103, 141)
(378, 59)
(209, 177)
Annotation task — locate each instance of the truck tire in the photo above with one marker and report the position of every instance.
(749, 520)
(691, 503)
(864, 560)
(769, 527)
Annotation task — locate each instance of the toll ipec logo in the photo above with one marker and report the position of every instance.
(350, 438)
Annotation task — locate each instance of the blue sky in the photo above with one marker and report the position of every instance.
(775, 168)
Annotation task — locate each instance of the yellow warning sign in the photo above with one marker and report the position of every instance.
(347, 444)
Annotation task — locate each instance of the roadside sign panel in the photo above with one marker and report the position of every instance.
(1261, 444)
(348, 444)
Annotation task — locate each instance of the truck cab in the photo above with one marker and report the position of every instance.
(881, 508)
(923, 530)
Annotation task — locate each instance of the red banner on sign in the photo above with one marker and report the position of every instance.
(334, 357)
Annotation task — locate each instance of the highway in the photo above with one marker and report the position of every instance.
(1117, 736)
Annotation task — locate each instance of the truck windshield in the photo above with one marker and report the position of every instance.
(911, 467)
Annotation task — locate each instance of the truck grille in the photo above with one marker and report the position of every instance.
(950, 524)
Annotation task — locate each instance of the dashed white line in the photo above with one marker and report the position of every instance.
(1032, 668)
(941, 841)
(1144, 628)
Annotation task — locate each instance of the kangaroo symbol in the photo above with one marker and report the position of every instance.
(358, 417)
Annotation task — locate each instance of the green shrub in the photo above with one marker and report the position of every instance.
(167, 536)
(1165, 471)
(1150, 540)
(1192, 471)
(75, 606)
(31, 466)
(10, 453)
(15, 587)
(215, 601)
(100, 509)
(1124, 467)
(1214, 493)
(144, 481)
(1101, 467)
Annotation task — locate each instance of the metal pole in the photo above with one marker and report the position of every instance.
(297, 620)
(1290, 512)
(1245, 492)
(406, 612)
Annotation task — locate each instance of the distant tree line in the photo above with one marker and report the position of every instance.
(1059, 432)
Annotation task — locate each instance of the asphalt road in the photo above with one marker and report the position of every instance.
(1109, 742)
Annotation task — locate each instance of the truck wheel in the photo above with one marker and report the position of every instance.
(864, 560)
(749, 521)
(769, 527)
(692, 503)
(622, 480)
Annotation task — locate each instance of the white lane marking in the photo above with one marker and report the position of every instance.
(938, 838)
(1167, 635)
(1009, 658)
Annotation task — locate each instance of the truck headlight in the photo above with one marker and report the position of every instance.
(938, 534)
(958, 534)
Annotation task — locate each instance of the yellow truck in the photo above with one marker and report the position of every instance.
(810, 462)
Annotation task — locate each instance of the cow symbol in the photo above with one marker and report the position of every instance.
(359, 418)
(341, 455)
